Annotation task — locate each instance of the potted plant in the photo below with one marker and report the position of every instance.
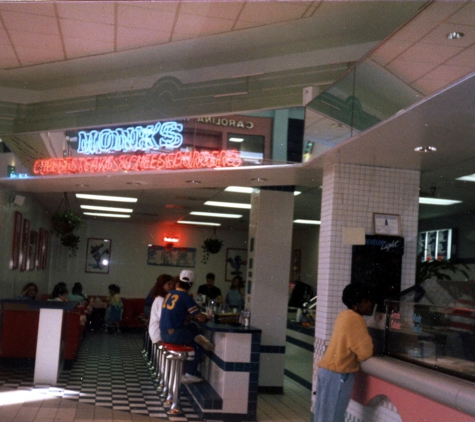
(71, 241)
(437, 268)
(65, 222)
(210, 245)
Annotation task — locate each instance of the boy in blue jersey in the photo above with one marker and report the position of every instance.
(178, 310)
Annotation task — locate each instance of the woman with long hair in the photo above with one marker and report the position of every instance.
(161, 288)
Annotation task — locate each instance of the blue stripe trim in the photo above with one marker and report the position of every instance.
(298, 379)
(273, 349)
(300, 343)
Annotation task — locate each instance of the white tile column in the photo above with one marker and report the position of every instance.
(269, 254)
(351, 194)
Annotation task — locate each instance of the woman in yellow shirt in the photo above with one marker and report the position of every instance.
(350, 343)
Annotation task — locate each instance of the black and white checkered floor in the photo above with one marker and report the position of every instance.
(110, 372)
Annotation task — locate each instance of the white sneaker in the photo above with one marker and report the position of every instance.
(204, 342)
(189, 379)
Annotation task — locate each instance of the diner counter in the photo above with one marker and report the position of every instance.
(231, 373)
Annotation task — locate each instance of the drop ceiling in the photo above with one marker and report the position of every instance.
(62, 50)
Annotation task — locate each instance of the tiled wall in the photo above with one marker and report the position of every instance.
(350, 196)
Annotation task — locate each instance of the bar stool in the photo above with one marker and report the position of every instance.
(176, 354)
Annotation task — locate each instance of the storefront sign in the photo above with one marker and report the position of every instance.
(131, 139)
(222, 121)
(137, 162)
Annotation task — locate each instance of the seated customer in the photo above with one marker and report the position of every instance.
(209, 290)
(77, 294)
(235, 295)
(175, 325)
(161, 288)
(29, 292)
(59, 294)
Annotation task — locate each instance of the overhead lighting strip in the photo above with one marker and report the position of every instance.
(312, 222)
(103, 214)
(438, 201)
(111, 209)
(215, 214)
(198, 223)
(228, 205)
(105, 198)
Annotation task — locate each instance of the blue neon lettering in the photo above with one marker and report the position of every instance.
(151, 137)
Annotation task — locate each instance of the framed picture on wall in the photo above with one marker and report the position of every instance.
(32, 251)
(16, 238)
(236, 263)
(387, 224)
(44, 250)
(25, 242)
(98, 255)
(171, 257)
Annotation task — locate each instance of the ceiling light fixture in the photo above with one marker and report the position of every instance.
(239, 189)
(233, 139)
(468, 178)
(215, 214)
(104, 214)
(105, 198)
(302, 221)
(196, 182)
(111, 209)
(437, 201)
(259, 179)
(228, 205)
(198, 223)
(427, 148)
(455, 35)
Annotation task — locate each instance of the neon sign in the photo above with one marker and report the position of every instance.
(171, 239)
(138, 162)
(131, 139)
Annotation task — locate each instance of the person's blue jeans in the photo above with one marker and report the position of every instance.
(333, 395)
(186, 336)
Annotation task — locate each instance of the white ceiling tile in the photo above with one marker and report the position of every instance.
(164, 6)
(41, 42)
(190, 26)
(465, 58)
(226, 10)
(441, 77)
(30, 23)
(389, 50)
(31, 56)
(146, 19)
(465, 15)
(87, 30)
(77, 47)
(439, 35)
(272, 12)
(409, 71)
(430, 53)
(7, 62)
(128, 38)
(99, 12)
(44, 8)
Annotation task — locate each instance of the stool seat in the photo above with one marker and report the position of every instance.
(177, 347)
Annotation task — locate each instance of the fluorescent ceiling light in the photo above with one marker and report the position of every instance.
(228, 204)
(468, 178)
(111, 209)
(105, 198)
(104, 214)
(198, 223)
(215, 214)
(438, 201)
(300, 221)
(233, 139)
(239, 189)
(297, 192)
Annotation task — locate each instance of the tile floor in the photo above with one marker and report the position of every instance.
(110, 381)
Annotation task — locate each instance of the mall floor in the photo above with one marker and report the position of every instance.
(110, 381)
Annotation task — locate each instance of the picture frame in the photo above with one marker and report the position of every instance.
(32, 251)
(387, 224)
(43, 261)
(25, 242)
(170, 256)
(16, 238)
(236, 263)
(98, 253)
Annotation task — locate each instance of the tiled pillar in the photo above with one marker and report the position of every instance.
(269, 254)
(351, 194)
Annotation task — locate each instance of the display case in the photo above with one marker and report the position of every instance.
(432, 325)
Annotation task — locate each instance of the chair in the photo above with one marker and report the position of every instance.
(113, 317)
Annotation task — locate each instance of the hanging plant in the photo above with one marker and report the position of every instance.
(70, 241)
(210, 246)
(65, 222)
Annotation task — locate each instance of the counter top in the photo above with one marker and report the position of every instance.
(230, 328)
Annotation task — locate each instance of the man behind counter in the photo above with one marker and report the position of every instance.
(210, 290)
(175, 326)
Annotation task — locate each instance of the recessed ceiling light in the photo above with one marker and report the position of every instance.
(105, 198)
(198, 223)
(468, 178)
(301, 221)
(239, 189)
(197, 182)
(228, 204)
(427, 148)
(438, 201)
(103, 214)
(455, 35)
(111, 209)
(259, 179)
(215, 214)
(233, 139)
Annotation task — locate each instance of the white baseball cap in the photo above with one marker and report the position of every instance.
(187, 276)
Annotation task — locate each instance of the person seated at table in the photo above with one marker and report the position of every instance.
(29, 292)
(209, 290)
(59, 295)
(114, 307)
(161, 288)
(179, 310)
(235, 295)
(60, 285)
(77, 294)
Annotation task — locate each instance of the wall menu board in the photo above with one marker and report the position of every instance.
(435, 245)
